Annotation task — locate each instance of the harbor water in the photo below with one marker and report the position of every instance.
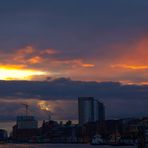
(59, 146)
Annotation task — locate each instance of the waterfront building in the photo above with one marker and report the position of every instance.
(27, 122)
(55, 132)
(90, 110)
(25, 129)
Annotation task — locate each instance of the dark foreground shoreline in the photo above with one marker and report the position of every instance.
(13, 145)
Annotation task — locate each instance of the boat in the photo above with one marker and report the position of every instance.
(115, 139)
(97, 140)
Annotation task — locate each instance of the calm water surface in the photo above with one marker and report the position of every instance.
(58, 146)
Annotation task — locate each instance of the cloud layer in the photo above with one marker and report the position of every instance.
(85, 40)
(60, 97)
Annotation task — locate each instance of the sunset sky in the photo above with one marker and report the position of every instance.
(94, 46)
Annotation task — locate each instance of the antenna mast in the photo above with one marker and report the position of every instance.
(26, 108)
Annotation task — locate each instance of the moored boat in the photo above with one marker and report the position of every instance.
(97, 140)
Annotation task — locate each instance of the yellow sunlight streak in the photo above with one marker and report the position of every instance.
(18, 73)
(44, 106)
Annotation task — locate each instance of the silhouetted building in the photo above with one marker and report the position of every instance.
(25, 129)
(101, 111)
(26, 122)
(53, 132)
(46, 126)
(3, 135)
(90, 110)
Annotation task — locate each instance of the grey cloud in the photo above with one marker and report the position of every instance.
(120, 100)
(64, 88)
(58, 110)
(71, 25)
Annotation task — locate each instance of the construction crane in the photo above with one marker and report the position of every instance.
(26, 108)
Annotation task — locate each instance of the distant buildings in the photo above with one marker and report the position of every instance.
(26, 122)
(25, 128)
(91, 123)
(90, 110)
(3, 135)
(54, 132)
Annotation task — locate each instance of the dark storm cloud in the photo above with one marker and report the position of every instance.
(61, 96)
(71, 25)
(63, 88)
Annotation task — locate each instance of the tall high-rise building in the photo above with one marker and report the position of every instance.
(90, 110)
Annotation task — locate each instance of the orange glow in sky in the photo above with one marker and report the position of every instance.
(18, 73)
(133, 67)
(44, 106)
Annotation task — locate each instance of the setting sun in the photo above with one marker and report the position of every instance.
(16, 73)
(44, 106)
